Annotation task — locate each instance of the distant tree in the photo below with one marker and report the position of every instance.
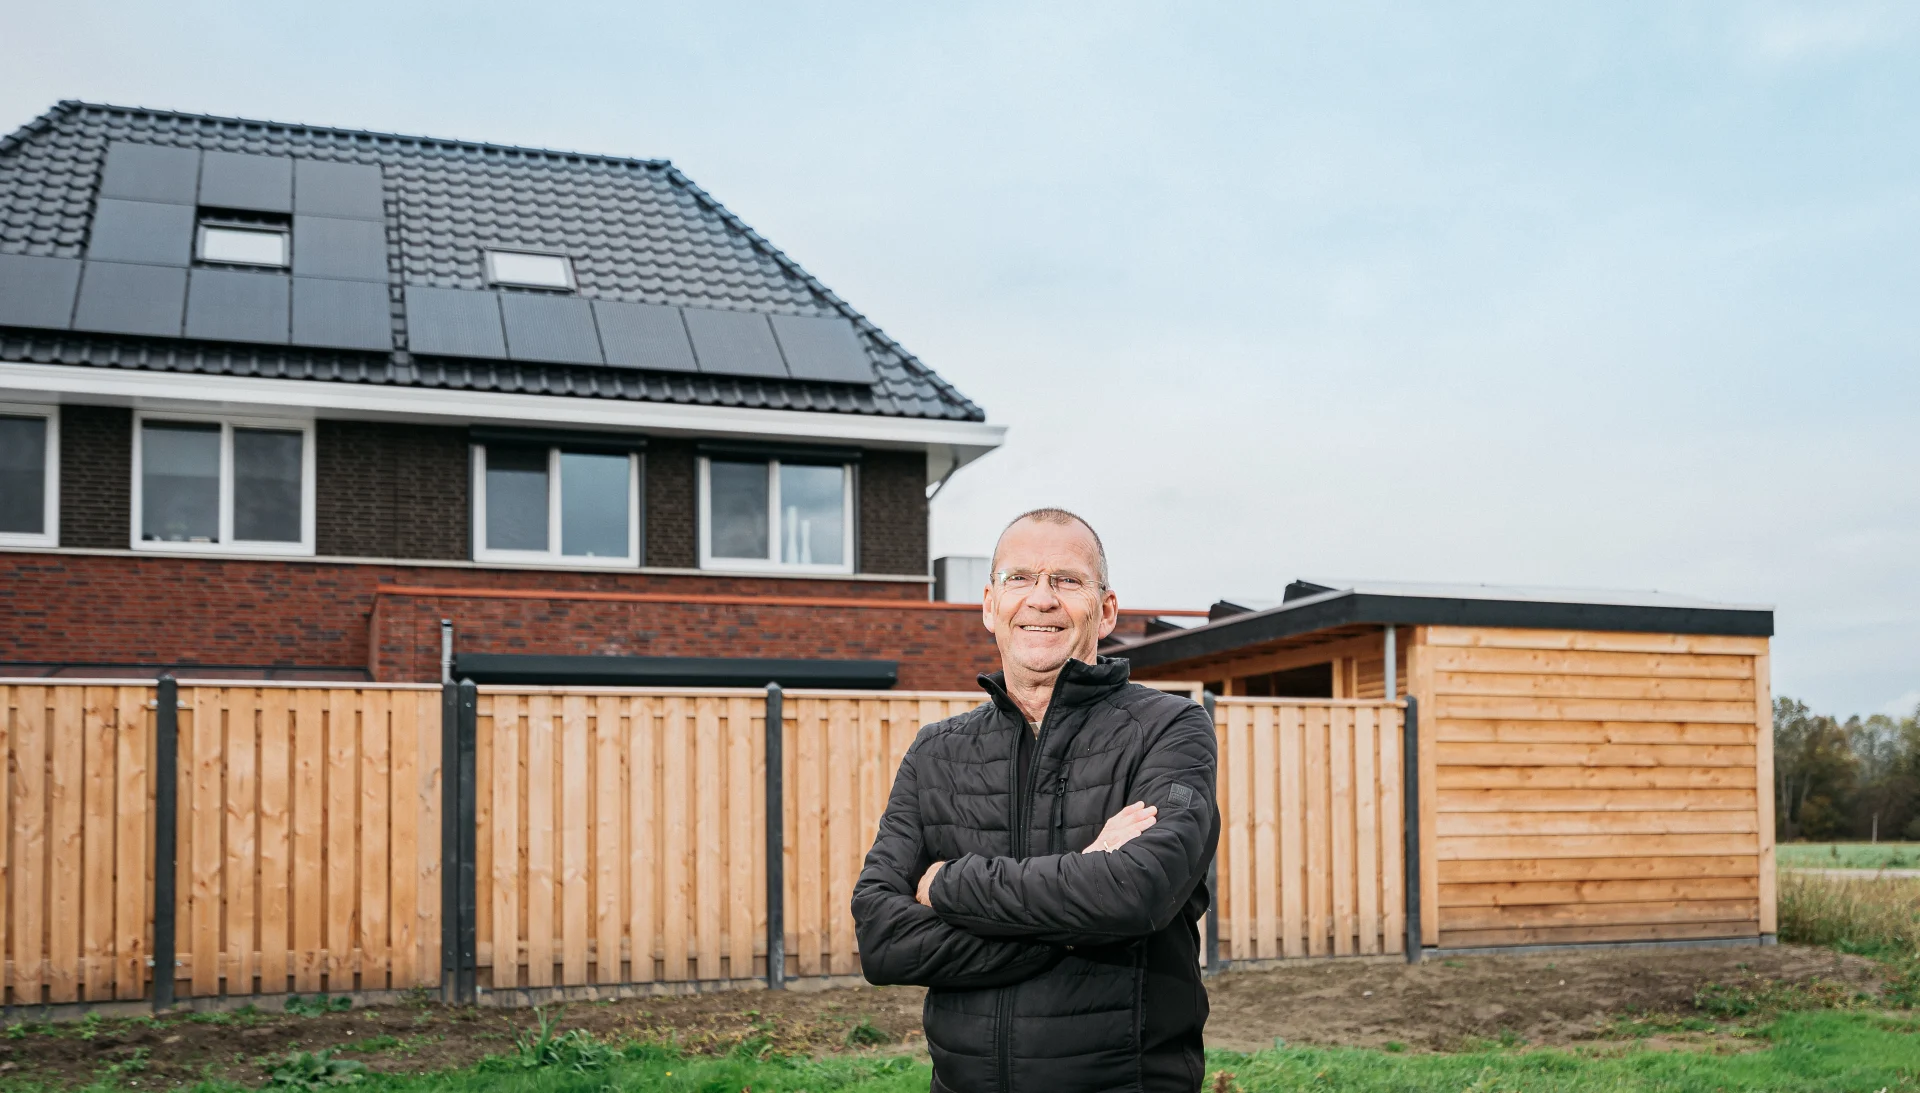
(1886, 778)
(1814, 771)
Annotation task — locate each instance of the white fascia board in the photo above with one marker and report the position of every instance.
(50, 383)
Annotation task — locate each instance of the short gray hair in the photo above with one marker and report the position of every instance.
(1051, 515)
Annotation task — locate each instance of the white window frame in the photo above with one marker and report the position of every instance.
(286, 245)
(566, 265)
(772, 562)
(227, 544)
(552, 555)
(49, 534)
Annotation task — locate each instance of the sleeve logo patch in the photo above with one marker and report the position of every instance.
(1180, 796)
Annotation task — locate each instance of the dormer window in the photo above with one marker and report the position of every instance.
(529, 269)
(248, 246)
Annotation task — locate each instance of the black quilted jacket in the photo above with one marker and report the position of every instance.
(1050, 970)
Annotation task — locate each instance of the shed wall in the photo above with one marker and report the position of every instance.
(1582, 786)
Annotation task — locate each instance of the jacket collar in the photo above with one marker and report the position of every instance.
(1079, 684)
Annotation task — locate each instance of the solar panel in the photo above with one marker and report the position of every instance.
(123, 299)
(454, 322)
(347, 250)
(229, 180)
(37, 291)
(235, 306)
(822, 348)
(141, 231)
(342, 314)
(734, 343)
(549, 328)
(644, 336)
(150, 172)
(351, 190)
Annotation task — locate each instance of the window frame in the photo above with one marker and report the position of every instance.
(494, 280)
(772, 564)
(200, 245)
(49, 534)
(552, 555)
(227, 544)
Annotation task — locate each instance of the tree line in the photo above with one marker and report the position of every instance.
(1843, 780)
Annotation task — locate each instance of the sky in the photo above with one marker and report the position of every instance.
(1618, 295)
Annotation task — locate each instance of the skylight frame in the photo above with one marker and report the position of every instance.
(490, 256)
(204, 228)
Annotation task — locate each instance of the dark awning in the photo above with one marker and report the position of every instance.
(533, 668)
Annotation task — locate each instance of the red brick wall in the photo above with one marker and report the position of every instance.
(116, 609)
(129, 610)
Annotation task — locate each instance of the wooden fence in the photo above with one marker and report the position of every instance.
(1310, 858)
(620, 835)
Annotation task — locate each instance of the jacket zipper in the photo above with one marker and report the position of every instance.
(1022, 847)
(1057, 844)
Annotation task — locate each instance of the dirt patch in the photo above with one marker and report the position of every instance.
(1450, 1003)
(1439, 1005)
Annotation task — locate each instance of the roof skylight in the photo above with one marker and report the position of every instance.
(243, 246)
(528, 269)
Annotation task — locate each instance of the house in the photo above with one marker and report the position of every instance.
(276, 400)
(1593, 767)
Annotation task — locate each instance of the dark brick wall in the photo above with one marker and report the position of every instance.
(672, 505)
(392, 491)
(96, 476)
(893, 513)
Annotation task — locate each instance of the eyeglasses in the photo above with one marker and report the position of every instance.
(1021, 581)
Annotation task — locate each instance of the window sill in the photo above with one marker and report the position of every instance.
(226, 550)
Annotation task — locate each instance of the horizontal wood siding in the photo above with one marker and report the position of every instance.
(1594, 786)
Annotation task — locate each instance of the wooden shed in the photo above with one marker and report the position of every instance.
(1592, 767)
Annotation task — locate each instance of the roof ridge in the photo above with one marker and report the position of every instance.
(373, 134)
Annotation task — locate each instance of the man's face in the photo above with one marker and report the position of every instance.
(1039, 628)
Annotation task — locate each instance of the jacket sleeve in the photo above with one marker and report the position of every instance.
(902, 941)
(1102, 898)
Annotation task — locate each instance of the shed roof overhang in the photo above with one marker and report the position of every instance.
(1339, 613)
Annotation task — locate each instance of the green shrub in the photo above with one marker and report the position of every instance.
(313, 1070)
(317, 1006)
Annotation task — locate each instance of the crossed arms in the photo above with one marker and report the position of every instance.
(990, 922)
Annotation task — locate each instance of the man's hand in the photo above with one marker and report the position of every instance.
(1121, 829)
(924, 895)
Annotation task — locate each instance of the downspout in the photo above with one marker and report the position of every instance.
(446, 651)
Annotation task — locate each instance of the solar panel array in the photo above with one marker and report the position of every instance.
(139, 277)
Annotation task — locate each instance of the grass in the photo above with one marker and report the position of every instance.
(1847, 855)
(1870, 916)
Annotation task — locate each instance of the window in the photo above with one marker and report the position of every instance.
(540, 503)
(529, 270)
(29, 478)
(218, 485)
(243, 246)
(770, 514)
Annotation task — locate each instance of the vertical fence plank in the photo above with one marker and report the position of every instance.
(741, 857)
(675, 770)
(811, 803)
(205, 811)
(1319, 893)
(402, 866)
(28, 860)
(433, 772)
(65, 792)
(1293, 847)
(97, 831)
(1393, 926)
(343, 747)
(709, 913)
(132, 841)
(276, 864)
(1366, 837)
(242, 816)
(1266, 830)
(10, 863)
(505, 777)
(609, 853)
(541, 837)
(308, 913)
(841, 854)
(1340, 769)
(643, 836)
(376, 832)
(574, 787)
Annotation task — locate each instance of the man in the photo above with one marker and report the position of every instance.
(1042, 861)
